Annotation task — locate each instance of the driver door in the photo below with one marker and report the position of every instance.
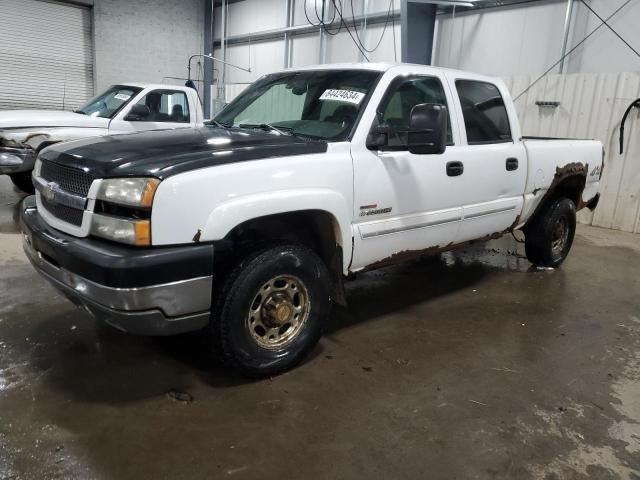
(406, 202)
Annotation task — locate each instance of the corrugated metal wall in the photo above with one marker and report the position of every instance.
(46, 55)
(232, 90)
(591, 106)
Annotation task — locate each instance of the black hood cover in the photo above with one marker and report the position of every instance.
(169, 152)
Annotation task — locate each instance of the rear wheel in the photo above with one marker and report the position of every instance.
(548, 238)
(270, 310)
(22, 181)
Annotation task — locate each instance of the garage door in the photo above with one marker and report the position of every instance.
(46, 55)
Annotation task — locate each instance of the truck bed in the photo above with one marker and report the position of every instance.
(552, 159)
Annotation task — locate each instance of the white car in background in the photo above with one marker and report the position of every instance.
(125, 108)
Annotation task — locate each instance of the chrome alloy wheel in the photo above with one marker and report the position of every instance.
(278, 312)
(560, 236)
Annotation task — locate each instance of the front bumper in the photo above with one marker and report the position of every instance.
(147, 291)
(14, 160)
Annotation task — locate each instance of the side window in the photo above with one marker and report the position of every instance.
(485, 116)
(398, 102)
(169, 106)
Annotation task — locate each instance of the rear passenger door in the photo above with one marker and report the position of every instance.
(494, 162)
(167, 109)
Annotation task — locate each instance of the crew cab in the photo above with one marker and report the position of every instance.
(126, 108)
(248, 226)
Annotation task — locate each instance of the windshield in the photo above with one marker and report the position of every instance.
(107, 104)
(316, 104)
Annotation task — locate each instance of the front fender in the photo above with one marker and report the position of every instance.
(228, 215)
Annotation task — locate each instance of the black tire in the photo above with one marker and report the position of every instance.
(237, 323)
(22, 181)
(549, 236)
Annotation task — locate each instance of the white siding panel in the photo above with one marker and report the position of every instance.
(591, 106)
(527, 38)
(46, 55)
(232, 90)
(305, 50)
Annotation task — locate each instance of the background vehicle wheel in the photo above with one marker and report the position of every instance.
(22, 181)
(270, 310)
(549, 237)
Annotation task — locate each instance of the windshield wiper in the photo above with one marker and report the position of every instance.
(218, 124)
(269, 127)
(80, 112)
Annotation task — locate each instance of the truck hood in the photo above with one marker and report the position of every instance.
(47, 118)
(165, 153)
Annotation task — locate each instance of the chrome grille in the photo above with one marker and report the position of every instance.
(71, 179)
(64, 213)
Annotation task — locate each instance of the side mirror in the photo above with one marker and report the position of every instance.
(138, 112)
(428, 129)
(378, 137)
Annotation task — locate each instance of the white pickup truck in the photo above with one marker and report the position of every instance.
(126, 108)
(249, 225)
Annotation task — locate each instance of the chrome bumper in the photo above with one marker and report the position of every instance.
(163, 309)
(14, 160)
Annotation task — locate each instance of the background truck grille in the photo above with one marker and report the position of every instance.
(73, 180)
(64, 213)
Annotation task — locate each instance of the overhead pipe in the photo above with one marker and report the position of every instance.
(223, 35)
(567, 26)
(287, 40)
(214, 59)
(363, 28)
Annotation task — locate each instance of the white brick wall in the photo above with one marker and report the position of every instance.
(145, 40)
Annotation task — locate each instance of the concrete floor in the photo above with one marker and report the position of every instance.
(472, 366)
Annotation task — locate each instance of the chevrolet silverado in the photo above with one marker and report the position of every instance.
(248, 226)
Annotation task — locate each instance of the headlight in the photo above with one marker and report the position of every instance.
(15, 157)
(132, 192)
(123, 210)
(123, 230)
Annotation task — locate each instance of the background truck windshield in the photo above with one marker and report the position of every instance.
(317, 104)
(107, 104)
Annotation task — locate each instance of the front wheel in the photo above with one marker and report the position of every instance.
(549, 237)
(271, 310)
(22, 181)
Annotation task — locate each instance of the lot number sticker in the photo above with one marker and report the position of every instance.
(348, 96)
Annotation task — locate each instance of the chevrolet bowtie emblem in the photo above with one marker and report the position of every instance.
(49, 191)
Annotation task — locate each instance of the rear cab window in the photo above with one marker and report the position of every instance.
(485, 115)
(170, 106)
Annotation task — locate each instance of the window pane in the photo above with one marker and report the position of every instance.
(276, 102)
(166, 106)
(485, 116)
(412, 92)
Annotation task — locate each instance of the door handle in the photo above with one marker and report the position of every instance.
(455, 169)
(512, 164)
